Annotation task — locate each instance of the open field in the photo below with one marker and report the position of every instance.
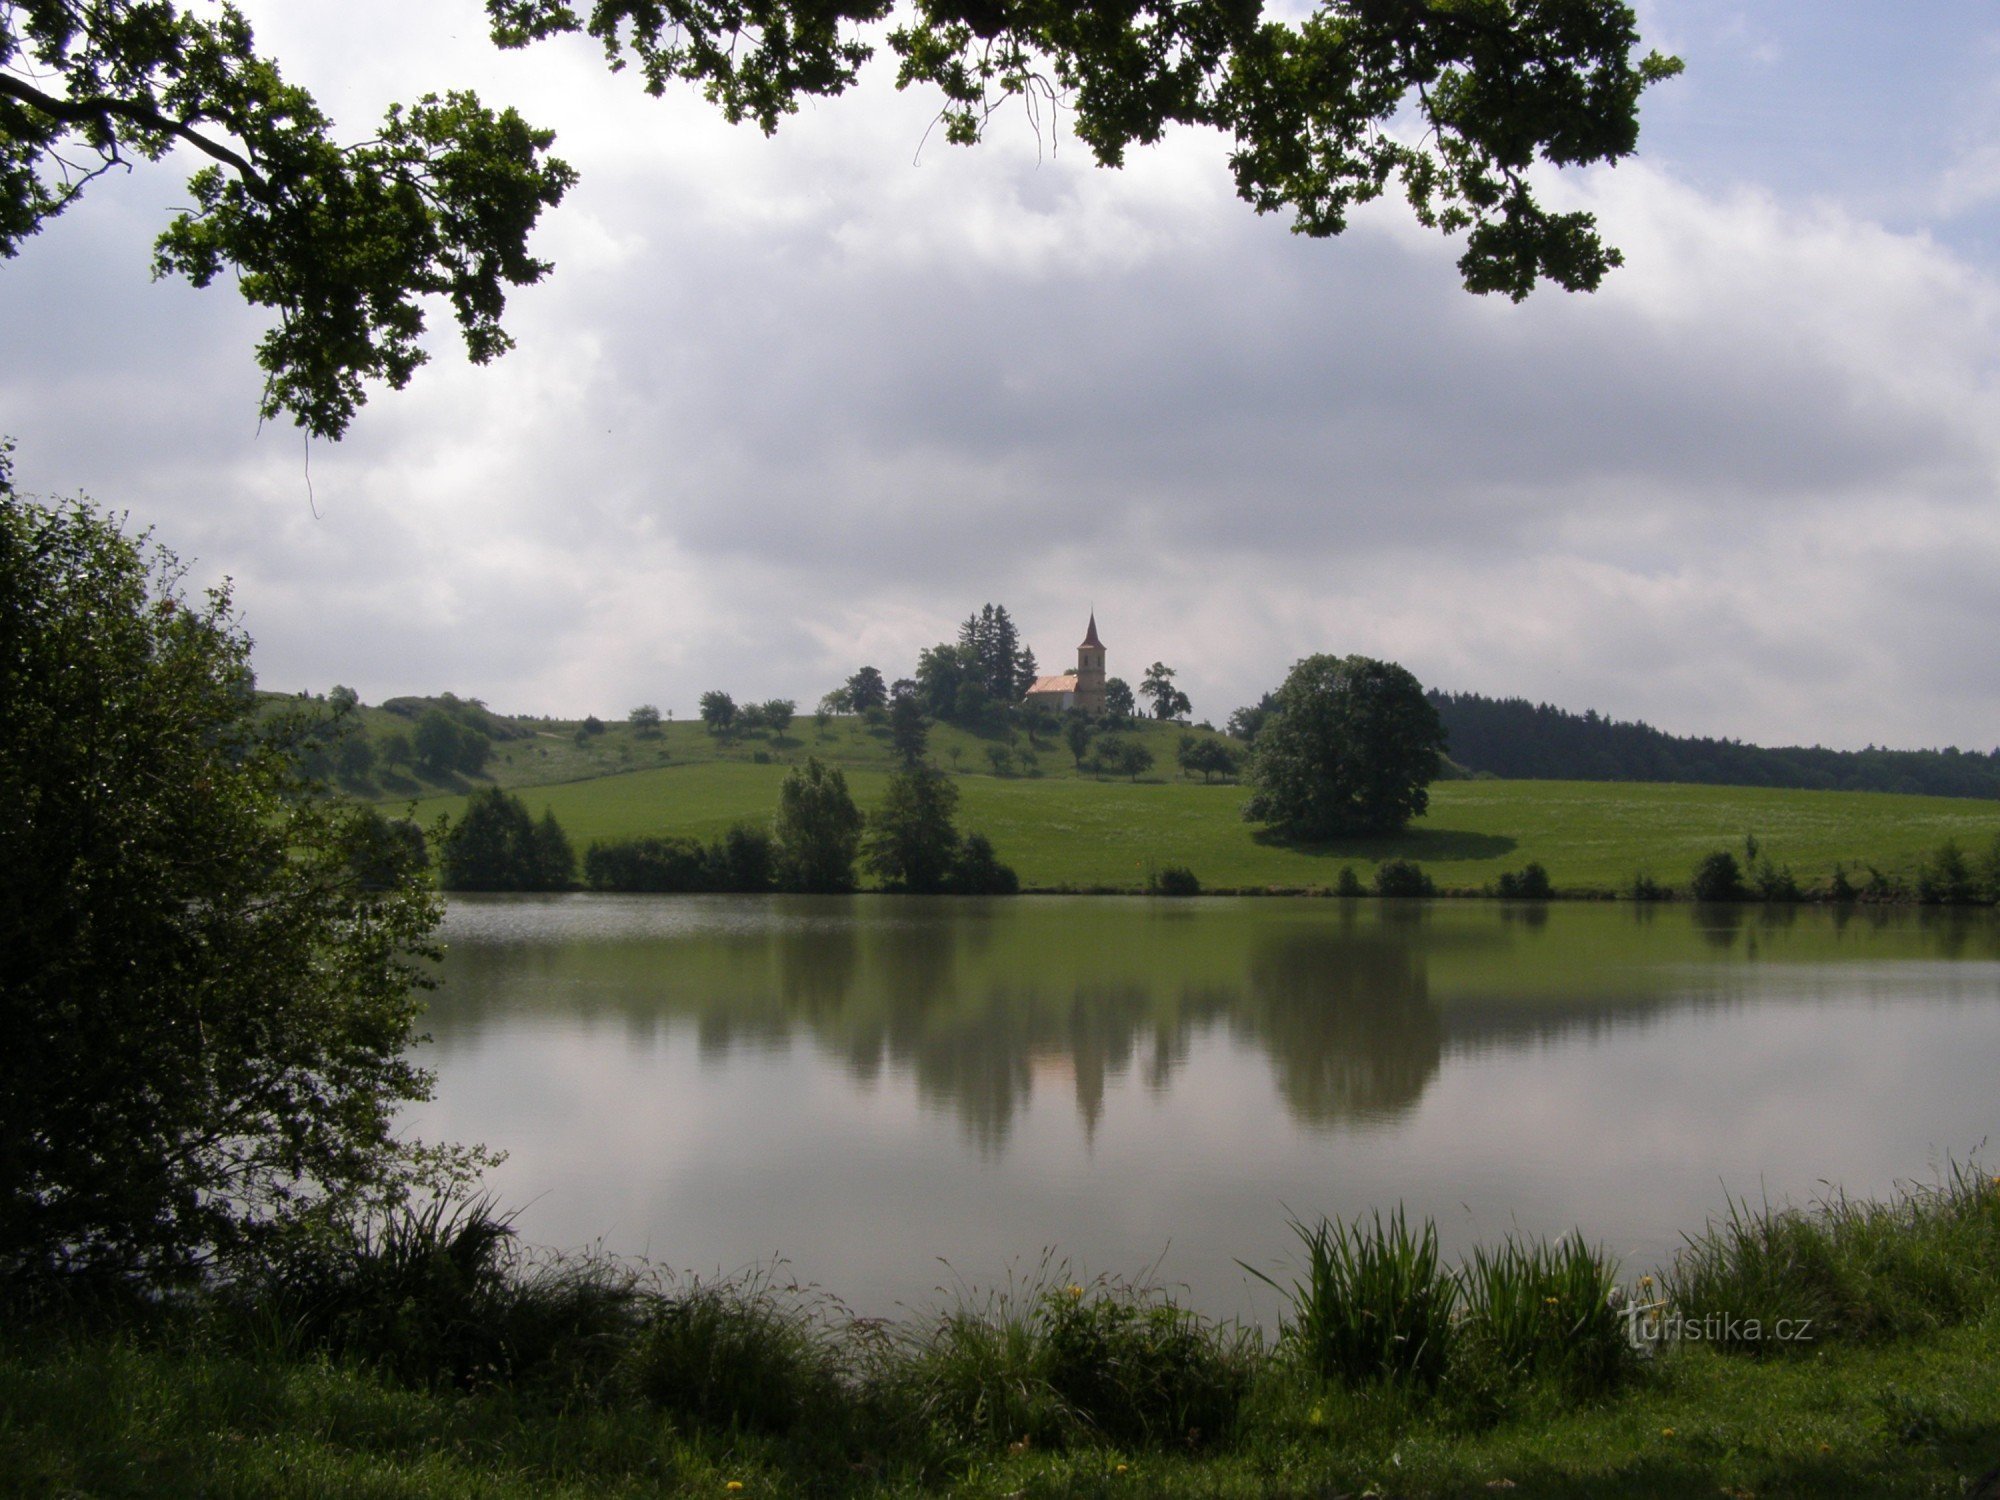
(1066, 830)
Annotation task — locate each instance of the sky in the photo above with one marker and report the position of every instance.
(792, 404)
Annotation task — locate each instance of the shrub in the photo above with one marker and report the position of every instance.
(208, 1011)
(977, 871)
(1402, 877)
(1174, 880)
(1530, 884)
(1135, 1371)
(1646, 888)
(1376, 1303)
(1718, 878)
(742, 1354)
(646, 864)
(1946, 879)
(1348, 883)
(1841, 888)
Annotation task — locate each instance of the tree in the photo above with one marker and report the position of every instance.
(1076, 735)
(345, 241)
(1718, 878)
(1133, 758)
(718, 711)
(779, 713)
(1245, 723)
(1118, 701)
(645, 721)
(1169, 702)
(865, 690)
(912, 838)
(908, 730)
(497, 846)
(818, 829)
(1352, 748)
(436, 741)
(1211, 757)
(208, 1010)
(941, 672)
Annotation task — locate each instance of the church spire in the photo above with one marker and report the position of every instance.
(1090, 635)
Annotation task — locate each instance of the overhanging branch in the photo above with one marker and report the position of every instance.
(101, 107)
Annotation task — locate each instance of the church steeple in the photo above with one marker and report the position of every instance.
(1090, 670)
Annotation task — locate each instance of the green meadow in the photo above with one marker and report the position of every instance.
(1064, 828)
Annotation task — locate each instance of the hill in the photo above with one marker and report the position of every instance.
(1519, 740)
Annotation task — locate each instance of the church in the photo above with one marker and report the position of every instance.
(1083, 688)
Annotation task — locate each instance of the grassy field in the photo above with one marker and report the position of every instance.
(1067, 829)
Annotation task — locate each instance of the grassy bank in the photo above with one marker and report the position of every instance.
(1074, 832)
(437, 1362)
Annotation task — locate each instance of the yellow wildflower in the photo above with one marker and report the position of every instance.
(1118, 1469)
(1075, 1291)
(734, 1486)
(1666, 1432)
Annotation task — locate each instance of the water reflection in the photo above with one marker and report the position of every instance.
(1353, 1004)
(868, 1084)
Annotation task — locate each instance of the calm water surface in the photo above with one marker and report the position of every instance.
(896, 1095)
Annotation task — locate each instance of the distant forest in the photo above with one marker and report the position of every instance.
(1519, 740)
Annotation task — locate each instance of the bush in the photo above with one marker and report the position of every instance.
(1718, 878)
(1067, 1365)
(1946, 879)
(208, 1010)
(743, 859)
(1348, 883)
(1140, 1372)
(1174, 880)
(1530, 884)
(735, 1355)
(1402, 877)
(977, 871)
(1646, 888)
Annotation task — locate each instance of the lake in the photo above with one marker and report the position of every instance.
(895, 1095)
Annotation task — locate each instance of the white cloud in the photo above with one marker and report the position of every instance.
(792, 404)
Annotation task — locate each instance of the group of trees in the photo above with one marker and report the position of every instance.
(496, 845)
(722, 714)
(911, 843)
(1514, 738)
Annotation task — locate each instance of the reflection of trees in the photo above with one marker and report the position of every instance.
(982, 1003)
(1347, 1018)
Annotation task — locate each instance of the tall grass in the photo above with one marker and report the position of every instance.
(1537, 1309)
(1376, 1302)
(1057, 1364)
(1924, 1259)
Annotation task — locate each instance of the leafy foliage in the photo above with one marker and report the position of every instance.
(344, 242)
(1351, 747)
(208, 999)
(912, 837)
(1313, 106)
(818, 829)
(1718, 877)
(1168, 701)
(498, 846)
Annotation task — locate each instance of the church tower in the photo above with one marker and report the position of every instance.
(1090, 670)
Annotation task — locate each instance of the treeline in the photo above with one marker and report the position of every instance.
(1519, 740)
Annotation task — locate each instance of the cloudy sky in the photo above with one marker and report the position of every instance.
(788, 405)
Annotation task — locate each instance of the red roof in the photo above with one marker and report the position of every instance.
(1090, 635)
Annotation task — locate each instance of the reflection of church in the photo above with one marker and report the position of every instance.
(1083, 688)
